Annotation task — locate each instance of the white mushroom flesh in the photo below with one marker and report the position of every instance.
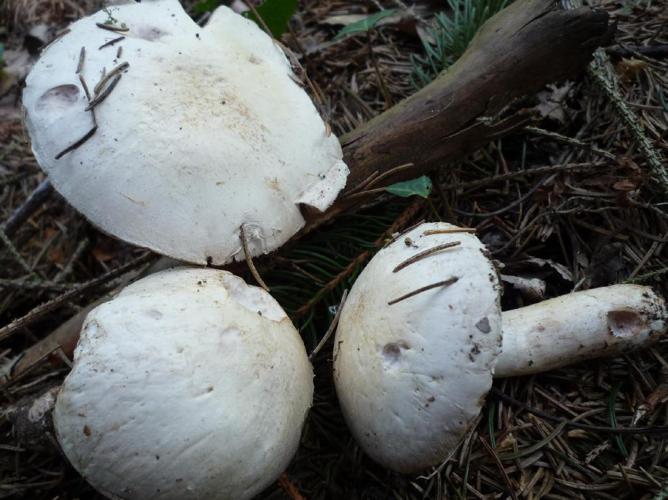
(207, 129)
(189, 384)
(412, 376)
(579, 326)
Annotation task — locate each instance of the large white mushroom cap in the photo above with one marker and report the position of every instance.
(205, 130)
(190, 384)
(412, 376)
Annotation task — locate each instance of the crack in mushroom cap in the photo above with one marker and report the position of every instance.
(205, 130)
(411, 377)
(189, 384)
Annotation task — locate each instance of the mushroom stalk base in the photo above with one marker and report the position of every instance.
(579, 326)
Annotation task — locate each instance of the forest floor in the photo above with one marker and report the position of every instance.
(594, 217)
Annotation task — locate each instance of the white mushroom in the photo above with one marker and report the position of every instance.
(412, 375)
(192, 132)
(189, 384)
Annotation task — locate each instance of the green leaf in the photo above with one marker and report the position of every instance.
(275, 13)
(205, 6)
(365, 24)
(418, 187)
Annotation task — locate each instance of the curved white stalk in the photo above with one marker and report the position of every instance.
(579, 326)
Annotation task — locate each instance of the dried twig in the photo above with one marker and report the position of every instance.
(108, 76)
(82, 58)
(39, 311)
(332, 326)
(85, 87)
(569, 140)
(430, 232)
(444, 283)
(111, 27)
(499, 465)
(14, 252)
(39, 195)
(249, 259)
(425, 253)
(99, 98)
(546, 169)
(111, 42)
(81, 141)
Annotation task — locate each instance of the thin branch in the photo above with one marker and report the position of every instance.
(374, 179)
(249, 259)
(331, 328)
(502, 470)
(111, 27)
(447, 282)
(39, 195)
(82, 58)
(520, 200)
(545, 169)
(108, 76)
(424, 254)
(111, 42)
(85, 87)
(430, 232)
(569, 140)
(39, 311)
(14, 252)
(104, 94)
(81, 141)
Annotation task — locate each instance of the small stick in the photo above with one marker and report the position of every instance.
(35, 200)
(108, 76)
(502, 470)
(544, 169)
(119, 52)
(46, 307)
(82, 58)
(430, 232)
(447, 282)
(85, 87)
(104, 94)
(569, 140)
(331, 328)
(111, 42)
(363, 184)
(391, 172)
(110, 27)
(425, 253)
(373, 179)
(81, 141)
(15, 253)
(249, 259)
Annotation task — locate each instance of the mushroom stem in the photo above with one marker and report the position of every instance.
(579, 326)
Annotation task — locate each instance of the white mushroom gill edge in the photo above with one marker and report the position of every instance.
(189, 384)
(579, 326)
(203, 130)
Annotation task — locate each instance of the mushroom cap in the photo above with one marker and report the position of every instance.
(189, 384)
(412, 376)
(206, 130)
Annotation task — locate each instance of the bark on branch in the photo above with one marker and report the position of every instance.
(516, 53)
